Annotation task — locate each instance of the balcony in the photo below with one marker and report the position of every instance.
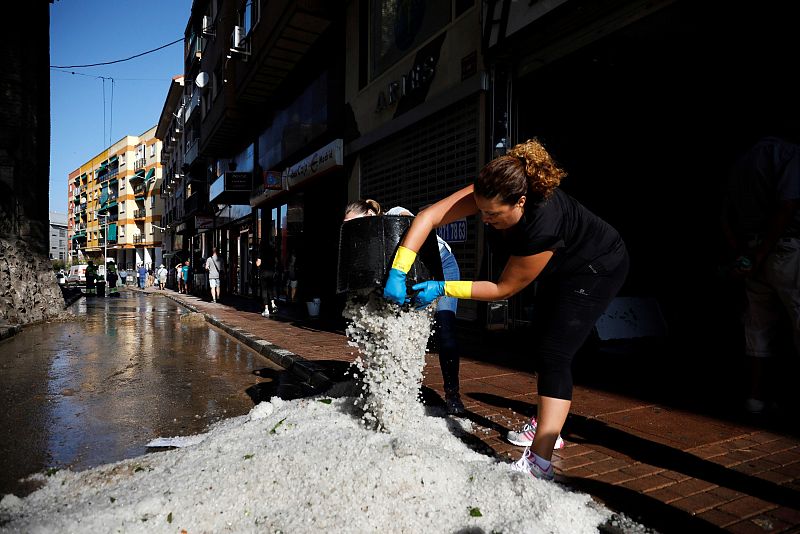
(138, 239)
(139, 214)
(139, 163)
(194, 203)
(194, 49)
(191, 152)
(194, 101)
(139, 191)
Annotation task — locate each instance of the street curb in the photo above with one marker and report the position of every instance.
(7, 331)
(306, 370)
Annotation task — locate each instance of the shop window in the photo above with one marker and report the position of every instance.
(399, 27)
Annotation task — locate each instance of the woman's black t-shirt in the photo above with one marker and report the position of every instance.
(576, 236)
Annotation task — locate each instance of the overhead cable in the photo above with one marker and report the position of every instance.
(116, 60)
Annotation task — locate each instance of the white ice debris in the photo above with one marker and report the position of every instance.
(391, 343)
(300, 466)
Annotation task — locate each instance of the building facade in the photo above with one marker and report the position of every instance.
(115, 207)
(262, 84)
(58, 236)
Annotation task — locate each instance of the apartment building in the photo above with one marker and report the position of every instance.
(114, 204)
(58, 236)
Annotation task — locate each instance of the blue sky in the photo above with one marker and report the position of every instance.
(94, 31)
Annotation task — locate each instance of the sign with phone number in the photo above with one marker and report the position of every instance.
(455, 232)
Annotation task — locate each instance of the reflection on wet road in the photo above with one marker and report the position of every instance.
(93, 391)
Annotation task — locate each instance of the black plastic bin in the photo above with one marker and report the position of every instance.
(367, 246)
(101, 288)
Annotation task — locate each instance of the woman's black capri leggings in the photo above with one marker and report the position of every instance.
(565, 311)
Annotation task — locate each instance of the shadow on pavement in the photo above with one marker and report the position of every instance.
(646, 510)
(584, 430)
(579, 429)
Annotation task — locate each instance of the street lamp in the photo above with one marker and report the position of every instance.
(105, 237)
(105, 245)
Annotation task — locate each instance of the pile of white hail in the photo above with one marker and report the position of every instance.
(391, 342)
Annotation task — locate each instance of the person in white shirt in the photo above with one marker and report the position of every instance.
(214, 268)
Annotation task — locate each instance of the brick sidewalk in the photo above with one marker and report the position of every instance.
(669, 468)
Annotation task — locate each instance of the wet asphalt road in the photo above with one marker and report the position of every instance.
(95, 390)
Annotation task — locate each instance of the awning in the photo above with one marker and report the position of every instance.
(112, 159)
(138, 175)
(111, 205)
(112, 232)
(150, 174)
(104, 194)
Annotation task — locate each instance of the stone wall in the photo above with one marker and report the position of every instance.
(28, 288)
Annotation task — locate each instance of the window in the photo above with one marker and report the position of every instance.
(62, 233)
(399, 27)
(153, 150)
(249, 15)
(152, 201)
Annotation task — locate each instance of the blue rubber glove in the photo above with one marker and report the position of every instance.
(427, 292)
(395, 289)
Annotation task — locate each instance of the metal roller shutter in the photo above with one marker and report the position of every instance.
(426, 162)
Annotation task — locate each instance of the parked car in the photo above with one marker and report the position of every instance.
(77, 274)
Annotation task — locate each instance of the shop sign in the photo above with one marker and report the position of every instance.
(455, 232)
(327, 157)
(203, 222)
(273, 181)
(418, 79)
(238, 181)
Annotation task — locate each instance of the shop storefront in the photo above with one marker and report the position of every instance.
(299, 218)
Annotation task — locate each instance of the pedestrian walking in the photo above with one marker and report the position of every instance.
(179, 277)
(265, 270)
(185, 276)
(579, 260)
(161, 274)
(214, 266)
(142, 272)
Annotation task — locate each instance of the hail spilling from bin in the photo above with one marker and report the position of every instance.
(391, 342)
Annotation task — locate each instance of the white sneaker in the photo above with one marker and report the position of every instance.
(524, 437)
(265, 313)
(526, 465)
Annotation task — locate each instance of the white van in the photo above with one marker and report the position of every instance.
(77, 274)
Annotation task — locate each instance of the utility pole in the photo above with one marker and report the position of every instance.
(105, 245)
